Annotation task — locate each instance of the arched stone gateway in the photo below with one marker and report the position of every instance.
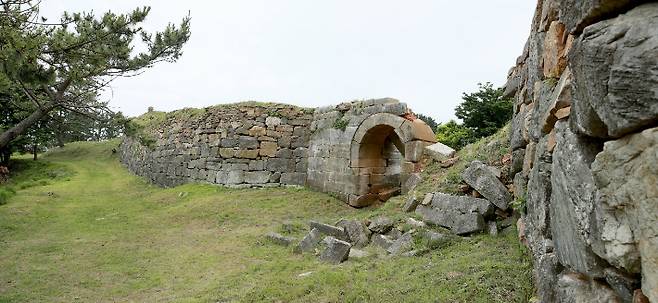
(360, 152)
(384, 152)
(372, 157)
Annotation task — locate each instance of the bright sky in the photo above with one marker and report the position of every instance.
(316, 53)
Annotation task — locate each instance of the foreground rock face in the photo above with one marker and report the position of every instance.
(585, 149)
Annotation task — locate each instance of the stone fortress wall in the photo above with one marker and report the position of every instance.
(355, 150)
(585, 149)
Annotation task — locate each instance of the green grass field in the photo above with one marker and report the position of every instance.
(81, 228)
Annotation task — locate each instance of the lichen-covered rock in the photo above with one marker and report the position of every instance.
(336, 252)
(626, 173)
(572, 202)
(577, 14)
(381, 225)
(480, 177)
(358, 233)
(614, 66)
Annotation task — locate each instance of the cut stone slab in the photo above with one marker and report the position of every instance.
(427, 200)
(280, 239)
(381, 225)
(330, 230)
(336, 252)
(411, 204)
(479, 176)
(461, 204)
(381, 241)
(309, 242)
(467, 223)
(439, 151)
(401, 245)
(358, 233)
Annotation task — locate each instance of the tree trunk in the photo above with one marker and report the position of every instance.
(34, 151)
(24, 125)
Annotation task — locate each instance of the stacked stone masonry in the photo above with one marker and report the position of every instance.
(360, 151)
(585, 149)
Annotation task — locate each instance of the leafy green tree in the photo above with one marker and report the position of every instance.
(428, 120)
(64, 65)
(484, 111)
(454, 134)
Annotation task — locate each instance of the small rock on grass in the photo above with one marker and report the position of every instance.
(381, 241)
(309, 242)
(280, 239)
(336, 252)
(401, 245)
(411, 204)
(381, 225)
(358, 254)
(415, 223)
(330, 230)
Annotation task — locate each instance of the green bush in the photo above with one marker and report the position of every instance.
(454, 135)
(485, 111)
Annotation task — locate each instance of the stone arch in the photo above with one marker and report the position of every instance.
(384, 152)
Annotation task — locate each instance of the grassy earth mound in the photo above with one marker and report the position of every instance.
(101, 234)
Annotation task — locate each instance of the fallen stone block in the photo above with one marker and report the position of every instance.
(309, 242)
(481, 178)
(427, 200)
(330, 230)
(461, 204)
(439, 151)
(358, 233)
(411, 204)
(402, 244)
(381, 225)
(467, 223)
(381, 241)
(279, 239)
(336, 252)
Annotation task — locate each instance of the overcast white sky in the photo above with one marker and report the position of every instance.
(315, 53)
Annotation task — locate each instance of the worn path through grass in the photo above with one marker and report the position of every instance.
(104, 235)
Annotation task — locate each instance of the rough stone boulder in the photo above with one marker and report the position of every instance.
(382, 241)
(401, 245)
(614, 66)
(577, 14)
(358, 233)
(439, 151)
(626, 173)
(481, 178)
(572, 202)
(330, 230)
(336, 252)
(279, 239)
(411, 204)
(381, 225)
(463, 215)
(309, 241)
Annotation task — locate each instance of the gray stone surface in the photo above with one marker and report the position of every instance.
(478, 176)
(614, 67)
(546, 271)
(572, 202)
(439, 151)
(310, 241)
(461, 204)
(626, 173)
(358, 254)
(381, 225)
(280, 239)
(382, 241)
(330, 230)
(336, 252)
(579, 289)
(577, 14)
(411, 204)
(359, 234)
(492, 228)
(467, 223)
(401, 245)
